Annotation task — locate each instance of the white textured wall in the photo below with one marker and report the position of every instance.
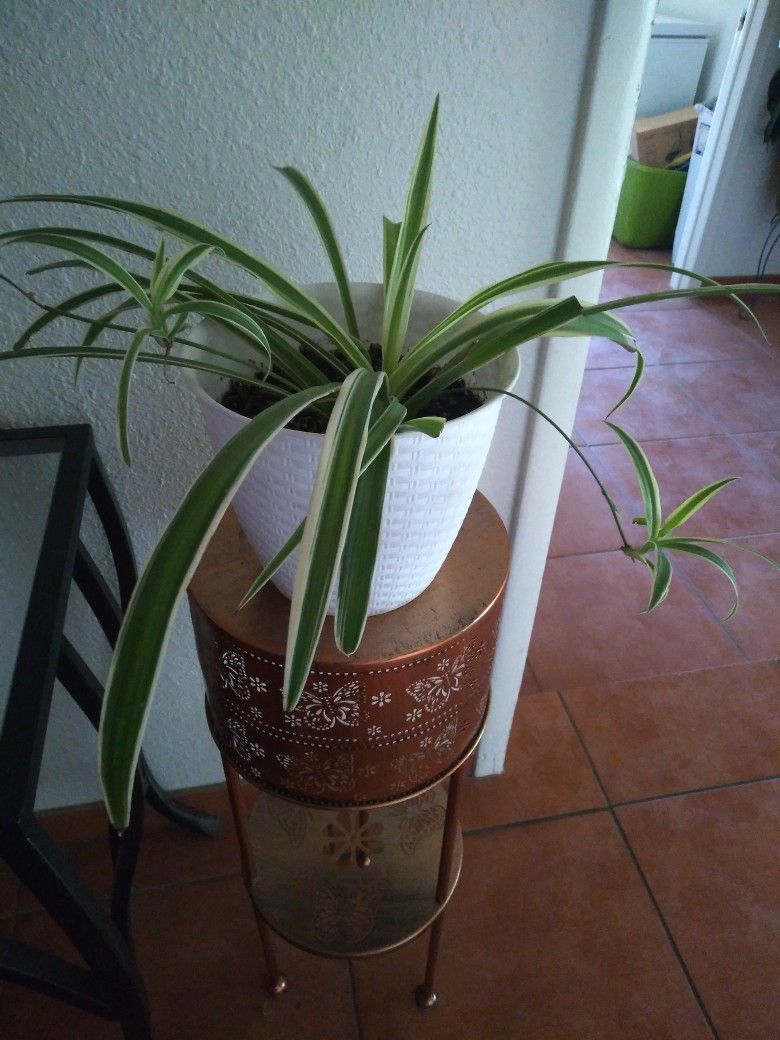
(186, 104)
(723, 16)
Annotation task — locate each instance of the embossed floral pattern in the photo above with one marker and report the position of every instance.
(351, 837)
(345, 911)
(255, 713)
(434, 691)
(409, 765)
(293, 819)
(445, 741)
(379, 700)
(419, 817)
(323, 709)
(317, 774)
(234, 676)
(239, 738)
(232, 673)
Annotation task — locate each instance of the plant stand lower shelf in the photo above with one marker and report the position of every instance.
(351, 845)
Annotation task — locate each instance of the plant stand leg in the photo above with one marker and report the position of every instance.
(425, 995)
(277, 982)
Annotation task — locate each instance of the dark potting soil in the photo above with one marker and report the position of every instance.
(452, 403)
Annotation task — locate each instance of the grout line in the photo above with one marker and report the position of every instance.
(649, 891)
(679, 361)
(617, 548)
(355, 1009)
(751, 456)
(696, 790)
(692, 437)
(534, 676)
(492, 828)
(573, 813)
(585, 552)
(697, 595)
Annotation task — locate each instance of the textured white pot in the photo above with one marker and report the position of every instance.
(431, 481)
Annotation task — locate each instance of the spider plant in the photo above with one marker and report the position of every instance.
(155, 297)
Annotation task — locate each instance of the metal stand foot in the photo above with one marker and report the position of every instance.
(425, 996)
(277, 986)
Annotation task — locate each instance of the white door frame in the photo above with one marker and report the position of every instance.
(724, 139)
(616, 49)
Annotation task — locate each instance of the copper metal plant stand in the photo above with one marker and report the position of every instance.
(351, 847)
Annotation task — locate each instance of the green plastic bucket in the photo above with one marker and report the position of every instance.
(648, 207)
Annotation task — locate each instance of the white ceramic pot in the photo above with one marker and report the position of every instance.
(431, 481)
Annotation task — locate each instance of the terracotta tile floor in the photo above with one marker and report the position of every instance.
(621, 878)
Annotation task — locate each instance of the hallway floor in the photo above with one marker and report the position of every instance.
(621, 880)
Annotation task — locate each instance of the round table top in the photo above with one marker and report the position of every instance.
(468, 584)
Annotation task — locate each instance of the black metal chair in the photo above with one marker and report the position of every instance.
(112, 985)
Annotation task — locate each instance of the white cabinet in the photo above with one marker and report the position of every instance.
(675, 58)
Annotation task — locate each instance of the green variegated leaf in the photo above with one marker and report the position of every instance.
(123, 391)
(190, 231)
(382, 431)
(638, 372)
(145, 630)
(488, 348)
(400, 283)
(63, 309)
(159, 260)
(605, 325)
(99, 326)
(662, 580)
(118, 354)
(169, 278)
(96, 258)
(397, 317)
(684, 545)
(542, 276)
(430, 425)
(379, 436)
(417, 363)
(733, 544)
(273, 565)
(692, 505)
(643, 472)
(360, 551)
(326, 525)
(319, 215)
(390, 230)
(30, 234)
(231, 316)
(704, 292)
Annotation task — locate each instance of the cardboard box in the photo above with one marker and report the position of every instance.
(657, 140)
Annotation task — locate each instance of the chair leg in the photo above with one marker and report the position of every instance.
(183, 815)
